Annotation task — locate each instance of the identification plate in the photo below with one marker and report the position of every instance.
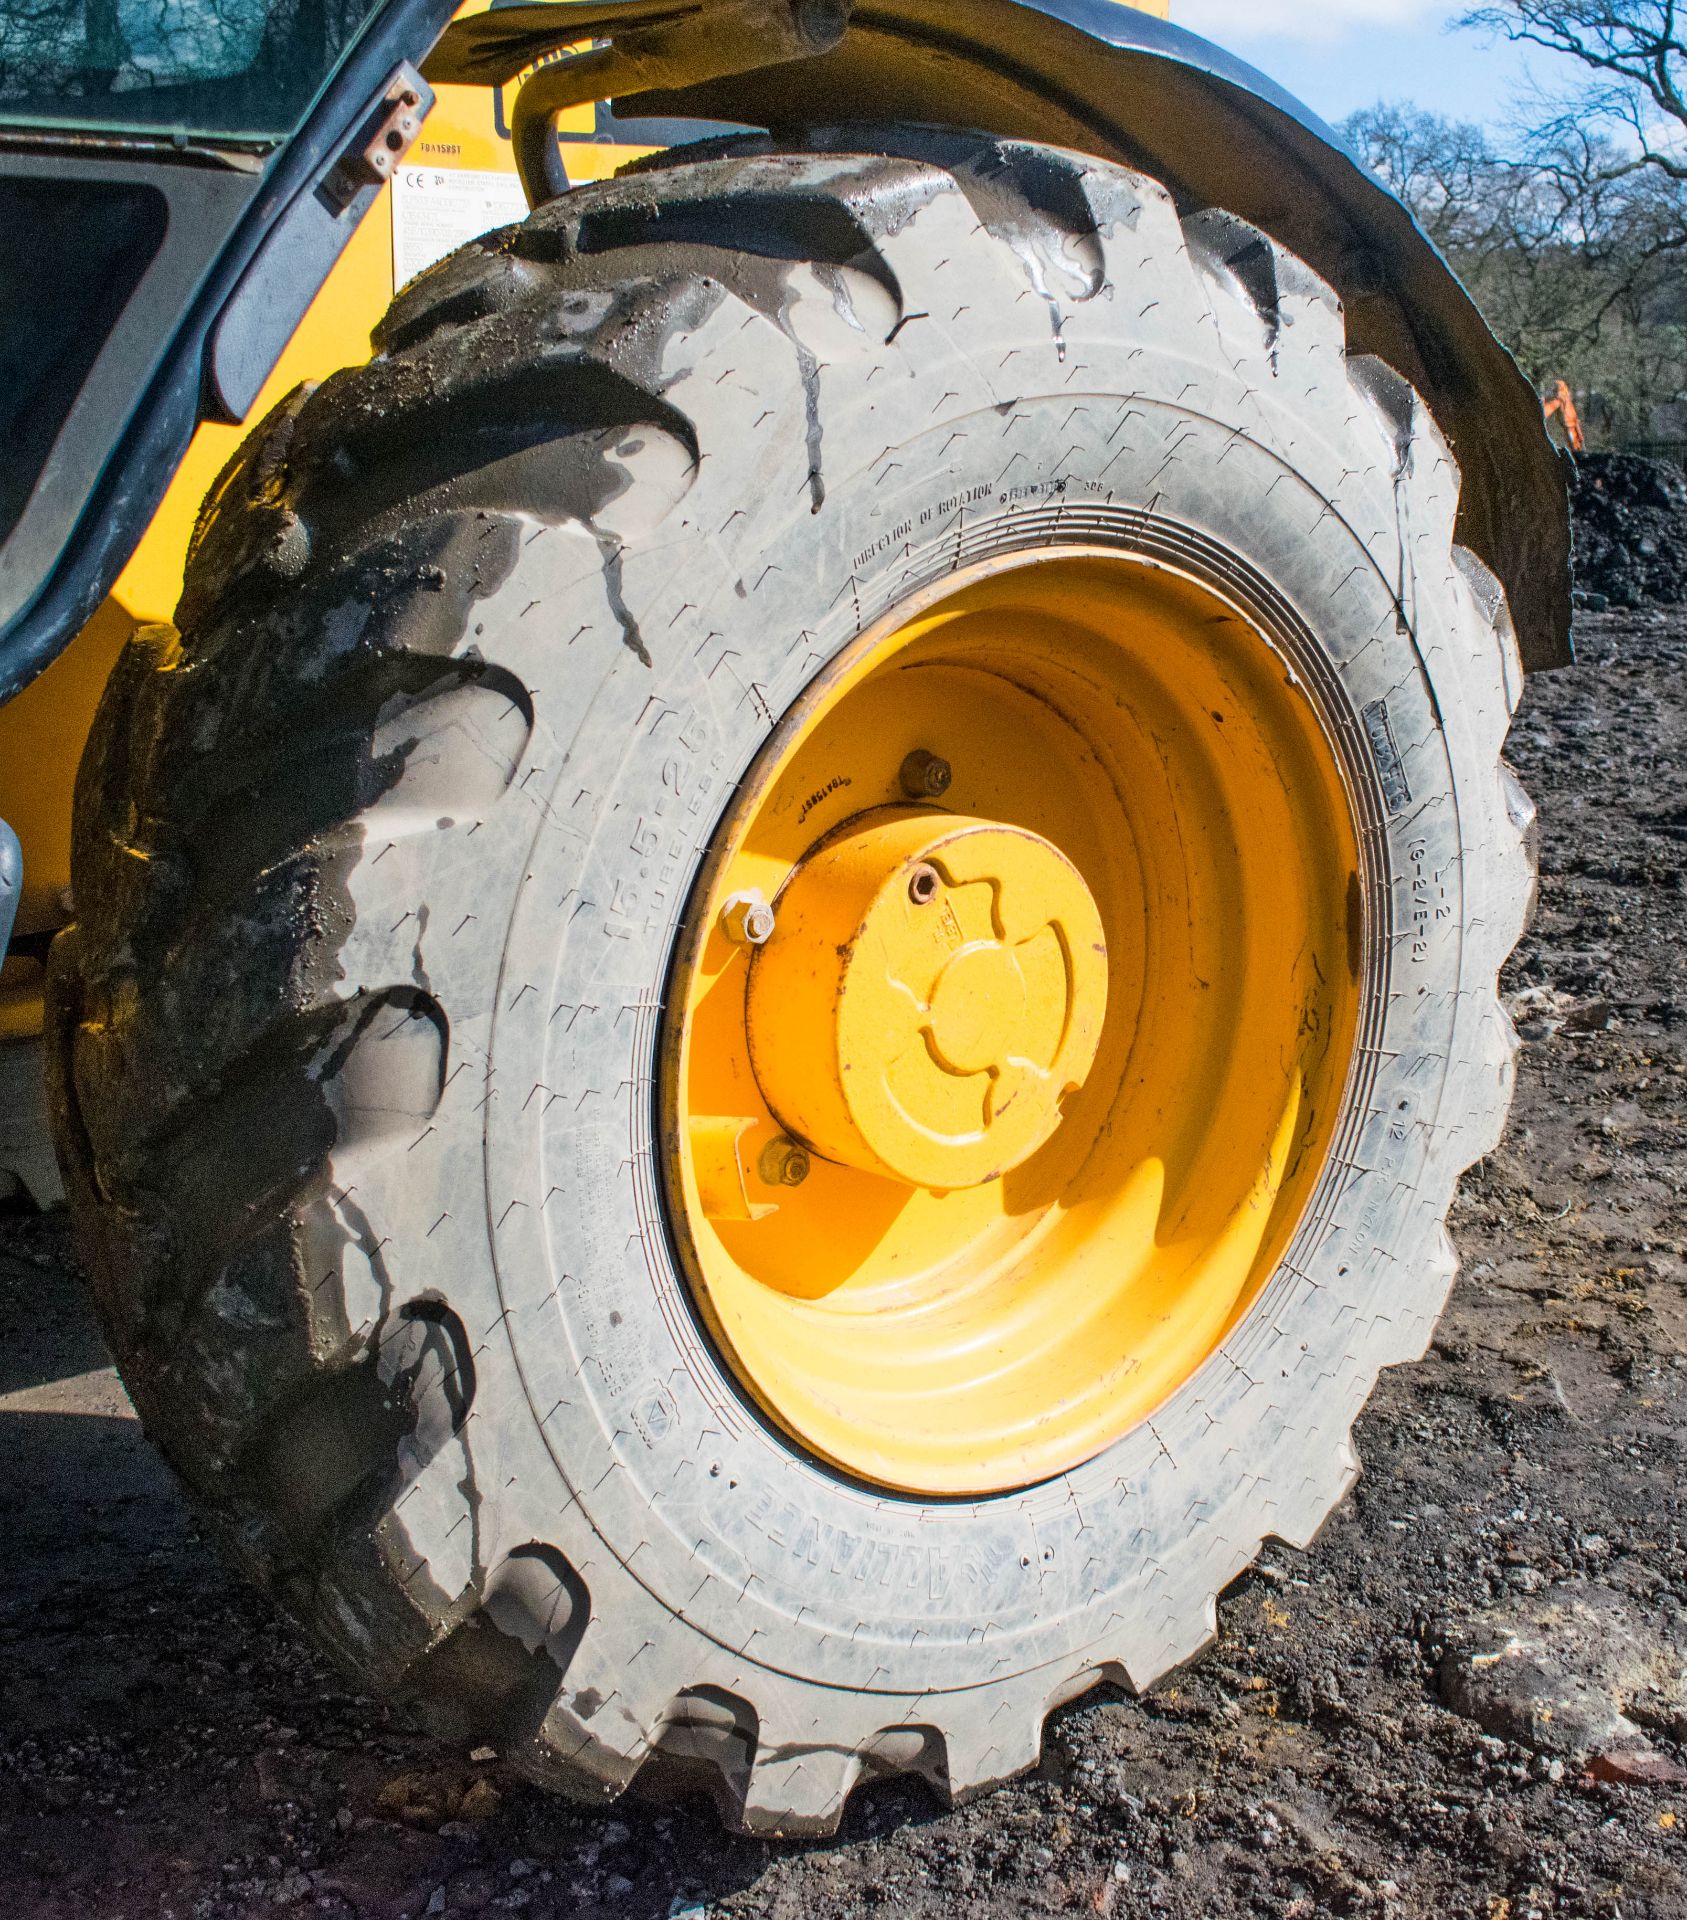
(435, 210)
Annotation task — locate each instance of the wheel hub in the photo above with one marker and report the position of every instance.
(955, 973)
(1008, 1030)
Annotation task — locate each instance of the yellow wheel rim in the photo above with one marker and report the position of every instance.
(1011, 1022)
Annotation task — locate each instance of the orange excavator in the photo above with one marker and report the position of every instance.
(1560, 405)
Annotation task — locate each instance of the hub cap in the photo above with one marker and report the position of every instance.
(934, 989)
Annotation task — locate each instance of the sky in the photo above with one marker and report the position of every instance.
(1339, 55)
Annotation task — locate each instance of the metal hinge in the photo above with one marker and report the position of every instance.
(373, 157)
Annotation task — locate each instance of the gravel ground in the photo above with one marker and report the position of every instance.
(1470, 1699)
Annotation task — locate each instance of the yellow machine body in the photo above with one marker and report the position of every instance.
(458, 180)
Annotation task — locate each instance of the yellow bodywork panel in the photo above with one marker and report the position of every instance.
(458, 180)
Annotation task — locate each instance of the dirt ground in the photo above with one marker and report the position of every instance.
(1470, 1699)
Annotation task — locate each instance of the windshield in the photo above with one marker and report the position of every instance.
(238, 68)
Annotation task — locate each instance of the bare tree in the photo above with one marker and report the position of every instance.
(1613, 147)
(1573, 254)
(1635, 52)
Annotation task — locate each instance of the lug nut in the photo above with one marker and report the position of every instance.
(923, 883)
(747, 920)
(783, 1163)
(925, 776)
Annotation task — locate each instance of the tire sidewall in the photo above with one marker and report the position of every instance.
(631, 1428)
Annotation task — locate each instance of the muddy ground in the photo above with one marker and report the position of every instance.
(1468, 1700)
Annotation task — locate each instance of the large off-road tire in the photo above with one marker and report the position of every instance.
(383, 863)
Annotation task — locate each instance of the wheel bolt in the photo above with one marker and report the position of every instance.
(923, 883)
(783, 1163)
(925, 776)
(747, 920)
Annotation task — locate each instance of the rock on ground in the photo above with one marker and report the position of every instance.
(1630, 519)
(1463, 1704)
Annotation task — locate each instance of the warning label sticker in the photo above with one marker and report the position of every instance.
(434, 210)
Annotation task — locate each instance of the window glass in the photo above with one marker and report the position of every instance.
(242, 68)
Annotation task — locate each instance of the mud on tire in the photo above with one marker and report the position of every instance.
(381, 861)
